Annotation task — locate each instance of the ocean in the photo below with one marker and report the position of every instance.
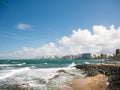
(40, 74)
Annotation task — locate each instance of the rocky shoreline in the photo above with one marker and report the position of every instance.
(112, 71)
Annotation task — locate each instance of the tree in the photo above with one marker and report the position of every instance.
(103, 55)
(117, 52)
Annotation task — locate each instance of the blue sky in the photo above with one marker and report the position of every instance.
(33, 23)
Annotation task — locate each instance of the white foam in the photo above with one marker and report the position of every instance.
(51, 75)
(5, 65)
(48, 73)
(13, 72)
(71, 65)
(45, 63)
(32, 76)
(86, 62)
(21, 64)
(43, 73)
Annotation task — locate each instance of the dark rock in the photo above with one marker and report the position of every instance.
(42, 81)
(14, 86)
(62, 71)
(18, 87)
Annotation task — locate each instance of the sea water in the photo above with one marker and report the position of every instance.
(40, 74)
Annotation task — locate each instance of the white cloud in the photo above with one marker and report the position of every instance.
(46, 51)
(100, 39)
(23, 26)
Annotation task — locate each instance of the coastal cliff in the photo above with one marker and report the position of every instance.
(112, 71)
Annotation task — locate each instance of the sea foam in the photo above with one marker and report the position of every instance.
(13, 72)
(37, 78)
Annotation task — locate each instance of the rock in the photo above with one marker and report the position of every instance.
(62, 71)
(18, 87)
(42, 81)
(110, 70)
(14, 86)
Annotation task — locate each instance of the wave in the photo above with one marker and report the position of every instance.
(1, 65)
(40, 77)
(86, 62)
(48, 73)
(64, 75)
(45, 63)
(20, 64)
(44, 73)
(72, 65)
(13, 72)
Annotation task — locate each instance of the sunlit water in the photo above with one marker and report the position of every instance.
(40, 74)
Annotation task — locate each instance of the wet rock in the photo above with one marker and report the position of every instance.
(42, 81)
(18, 87)
(62, 71)
(9, 85)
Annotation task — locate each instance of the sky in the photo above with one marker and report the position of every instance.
(43, 28)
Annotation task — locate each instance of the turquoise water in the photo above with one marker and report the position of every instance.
(50, 63)
(40, 74)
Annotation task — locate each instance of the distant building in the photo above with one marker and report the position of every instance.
(67, 57)
(85, 56)
(74, 56)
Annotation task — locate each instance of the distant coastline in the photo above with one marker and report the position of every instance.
(82, 56)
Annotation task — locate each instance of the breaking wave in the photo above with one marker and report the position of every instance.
(38, 78)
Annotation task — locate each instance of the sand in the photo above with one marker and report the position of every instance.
(98, 82)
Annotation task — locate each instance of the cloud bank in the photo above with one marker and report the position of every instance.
(22, 26)
(100, 40)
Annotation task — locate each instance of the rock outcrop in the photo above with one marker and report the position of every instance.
(110, 70)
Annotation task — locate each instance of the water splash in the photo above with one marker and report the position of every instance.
(13, 72)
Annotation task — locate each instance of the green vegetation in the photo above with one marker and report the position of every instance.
(115, 56)
(117, 52)
(101, 56)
